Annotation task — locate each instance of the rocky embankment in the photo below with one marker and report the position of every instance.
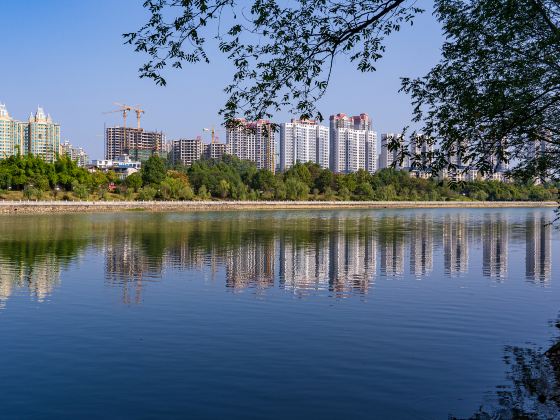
(39, 207)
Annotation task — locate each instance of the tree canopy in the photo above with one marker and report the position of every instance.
(282, 52)
(495, 94)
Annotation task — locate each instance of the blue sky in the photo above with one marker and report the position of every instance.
(68, 56)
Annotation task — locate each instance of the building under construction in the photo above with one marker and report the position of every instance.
(137, 143)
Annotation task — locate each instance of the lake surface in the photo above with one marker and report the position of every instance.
(389, 314)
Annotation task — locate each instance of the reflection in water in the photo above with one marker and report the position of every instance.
(495, 247)
(422, 246)
(334, 252)
(455, 244)
(33, 254)
(537, 257)
(531, 390)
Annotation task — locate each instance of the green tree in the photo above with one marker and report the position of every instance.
(223, 188)
(153, 170)
(203, 193)
(147, 193)
(80, 190)
(296, 189)
(134, 181)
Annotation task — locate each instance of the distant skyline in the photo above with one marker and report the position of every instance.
(69, 58)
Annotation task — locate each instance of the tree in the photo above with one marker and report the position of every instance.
(153, 170)
(176, 188)
(80, 190)
(134, 181)
(296, 189)
(264, 181)
(223, 188)
(495, 93)
(282, 52)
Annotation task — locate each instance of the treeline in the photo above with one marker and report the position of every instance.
(234, 179)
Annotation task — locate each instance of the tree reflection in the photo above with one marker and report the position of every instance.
(532, 388)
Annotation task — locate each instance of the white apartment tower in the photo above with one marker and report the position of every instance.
(386, 156)
(352, 144)
(303, 141)
(252, 140)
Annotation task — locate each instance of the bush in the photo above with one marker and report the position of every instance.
(147, 193)
(203, 193)
(80, 190)
(176, 189)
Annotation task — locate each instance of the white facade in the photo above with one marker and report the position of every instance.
(303, 141)
(186, 151)
(123, 166)
(353, 144)
(386, 156)
(77, 154)
(252, 140)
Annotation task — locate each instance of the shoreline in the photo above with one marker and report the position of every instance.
(42, 207)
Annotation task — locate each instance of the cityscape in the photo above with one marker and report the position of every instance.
(304, 209)
(347, 145)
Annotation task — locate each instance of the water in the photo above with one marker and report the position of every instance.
(400, 314)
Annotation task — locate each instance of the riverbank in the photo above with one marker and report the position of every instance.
(38, 207)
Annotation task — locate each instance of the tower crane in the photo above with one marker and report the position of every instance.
(125, 109)
(139, 111)
(212, 131)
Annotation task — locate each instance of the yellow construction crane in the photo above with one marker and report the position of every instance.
(139, 111)
(125, 109)
(212, 131)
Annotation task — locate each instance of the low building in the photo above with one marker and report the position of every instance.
(122, 166)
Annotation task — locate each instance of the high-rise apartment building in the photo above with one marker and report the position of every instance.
(38, 136)
(303, 141)
(42, 136)
(252, 140)
(390, 158)
(186, 151)
(352, 144)
(77, 154)
(135, 142)
(11, 134)
(419, 164)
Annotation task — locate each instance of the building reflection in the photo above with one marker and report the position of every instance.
(422, 246)
(538, 262)
(128, 265)
(304, 266)
(39, 279)
(339, 255)
(391, 247)
(342, 261)
(455, 244)
(250, 265)
(495, 235)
